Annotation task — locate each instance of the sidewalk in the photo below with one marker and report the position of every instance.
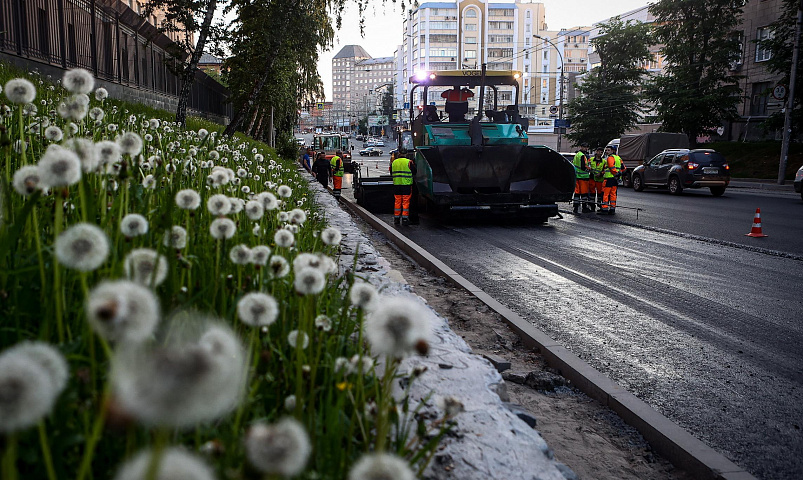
(762, 184)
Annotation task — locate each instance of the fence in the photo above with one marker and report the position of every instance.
(107, 38)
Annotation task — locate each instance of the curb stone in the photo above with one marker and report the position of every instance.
(490, 441)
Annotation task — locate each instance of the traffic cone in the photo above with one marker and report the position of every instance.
(756, 230)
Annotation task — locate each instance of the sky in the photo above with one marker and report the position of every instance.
(383, 26)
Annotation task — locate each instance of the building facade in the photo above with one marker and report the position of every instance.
(344, 66)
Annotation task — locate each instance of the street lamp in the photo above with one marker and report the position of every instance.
(560, 94)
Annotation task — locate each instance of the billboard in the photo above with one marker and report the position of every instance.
(377, 120)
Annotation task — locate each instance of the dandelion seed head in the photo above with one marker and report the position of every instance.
(175, 238)
(101, 94)
(82, 247)
(381, 466)
(145, 267)
(54, 133)
(279, 266)
(86, 151)
(213, 155)
(260, 255)
(240, 255)
(323, 323)
(149, 182)
(298, 216)
(254, 209)
(296, 336)
(218, 204)
(96, 113)
(122, 311)
(203, 133)
(59, 167)
(133, 225)
(280, 449)
(284, 191)
(154, 123)
(78, 80)
(361, 365)
(222, 228)
(188, 199)
(290, 403)
(331, 236)
(26, 180)
(108, 152)
(20, 91)
(397, 326)
(284, 238)
(257, 309)
(268, 200)
(73, 108)
(237, 205)
(174, 464)
(46, 356)
(342, 364)
(130, 143)
(309, 281)
(27, 391)
(364, 296)
(283, 216)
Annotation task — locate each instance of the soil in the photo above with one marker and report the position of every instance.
(588, 437)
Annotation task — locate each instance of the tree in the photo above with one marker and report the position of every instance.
(609, 103)
(186, 18)
(780, 62)
(387, 105)
(698, 90)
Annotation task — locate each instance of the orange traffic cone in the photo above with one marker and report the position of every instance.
(756, 230)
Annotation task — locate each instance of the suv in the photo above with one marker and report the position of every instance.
(680, 168)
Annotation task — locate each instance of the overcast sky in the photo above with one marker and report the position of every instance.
(383, 26)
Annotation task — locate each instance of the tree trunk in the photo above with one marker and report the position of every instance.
(258, 134)
(188, 75)
(238, 117)
(253, 121)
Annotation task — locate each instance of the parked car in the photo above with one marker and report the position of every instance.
(680, 168)
(371, 152)
(369, 143)
(379, 143)
(799, 181)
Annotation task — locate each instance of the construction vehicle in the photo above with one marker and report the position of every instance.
(478, 165)
(635, 149)
(329, 143)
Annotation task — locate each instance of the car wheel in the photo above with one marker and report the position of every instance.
(637, 184)
(675, 188)
(717, 191)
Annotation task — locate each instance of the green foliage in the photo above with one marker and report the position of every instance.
(758, 159)
(609, 103)
(698, 90)
(781, 45)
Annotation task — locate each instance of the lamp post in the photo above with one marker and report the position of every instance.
(560, 93)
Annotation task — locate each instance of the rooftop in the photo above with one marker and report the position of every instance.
(376, 61)
(352, 51)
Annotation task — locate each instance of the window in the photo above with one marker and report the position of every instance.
(443, 52)
(443, 25)
(442, 38)
(471, 27)
(759, 98)
(471, 39)
(527, 41)
(527, 28)
(737, 37)
(500, 25)
(528, 14)
(500, 38)
(471, 54)
(471, 13)
(501, 12)
(762, 53)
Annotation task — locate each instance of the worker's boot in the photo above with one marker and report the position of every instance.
(592, 206)
(396, 220)
(602, 212)
(612, 211)
(575, 208)
(585, 208)
(405, 221)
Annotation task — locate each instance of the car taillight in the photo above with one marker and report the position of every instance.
(692, 165)
(726, 166)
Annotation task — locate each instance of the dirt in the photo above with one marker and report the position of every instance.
(588, 437)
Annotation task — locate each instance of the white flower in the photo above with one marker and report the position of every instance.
(284, 191)
(375, 466)
(26, 180)
(279, 266)
(290, 403)
(122, 311)
(154, 123)
(296, 336)
(149, 182)
(254, 209)
(86, 151)
(78, 80)
(237, 205)
(258, 158)
(309, 281)
(222, 228)
(283, 216)
(363, 295)
(101, 94)
(174, 464)
(268, 200)
(130, 143)
(96, 113)
(82, 247)
(175, 238)
(203, 133)
(20, 91)
(46, 356)
(218, 204)
(331, 236)
(298, 216)
(281, 449)
(188, 199)
(29, 110)
(284, 238)
(240, 255)
(196, 377)
(73, 108)
(342, 364)
(260, 255)
(361, 365)
(108, 152)
(257, 309)
(54, 133)
(323, 323)
(59, 167)
(27, 391)
(213, 155)
(112, 127)
(397, 327)
(133, 225)
(145, 267)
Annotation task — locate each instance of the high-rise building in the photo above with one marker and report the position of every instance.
(358, 83)
(343, 69)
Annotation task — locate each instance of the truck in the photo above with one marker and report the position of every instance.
(636, 149)
(329, 143)
(482, 165)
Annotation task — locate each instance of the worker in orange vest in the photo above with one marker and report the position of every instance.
(337, 173)
(403, 171)
(597, 165)
(612, 171)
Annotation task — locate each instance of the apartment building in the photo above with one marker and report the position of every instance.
(344, 66)
(505, 36)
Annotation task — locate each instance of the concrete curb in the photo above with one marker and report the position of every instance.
(667, 438)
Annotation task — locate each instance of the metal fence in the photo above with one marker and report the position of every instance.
(107, 38)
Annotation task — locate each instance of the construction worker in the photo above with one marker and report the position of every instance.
(337, 173)
(403, 170)
(611, 173)
(597, 166)
(322, 169)
(583, 176)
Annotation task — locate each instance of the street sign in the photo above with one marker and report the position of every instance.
(720, 131)
(562, 123)
(432, 103)
(779, 92)
(406, 105)
(319, 105)
(553, 109)
(395, 116)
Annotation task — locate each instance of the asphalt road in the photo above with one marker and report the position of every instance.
(675, 304)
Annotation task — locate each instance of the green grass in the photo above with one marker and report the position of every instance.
(758, 159)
